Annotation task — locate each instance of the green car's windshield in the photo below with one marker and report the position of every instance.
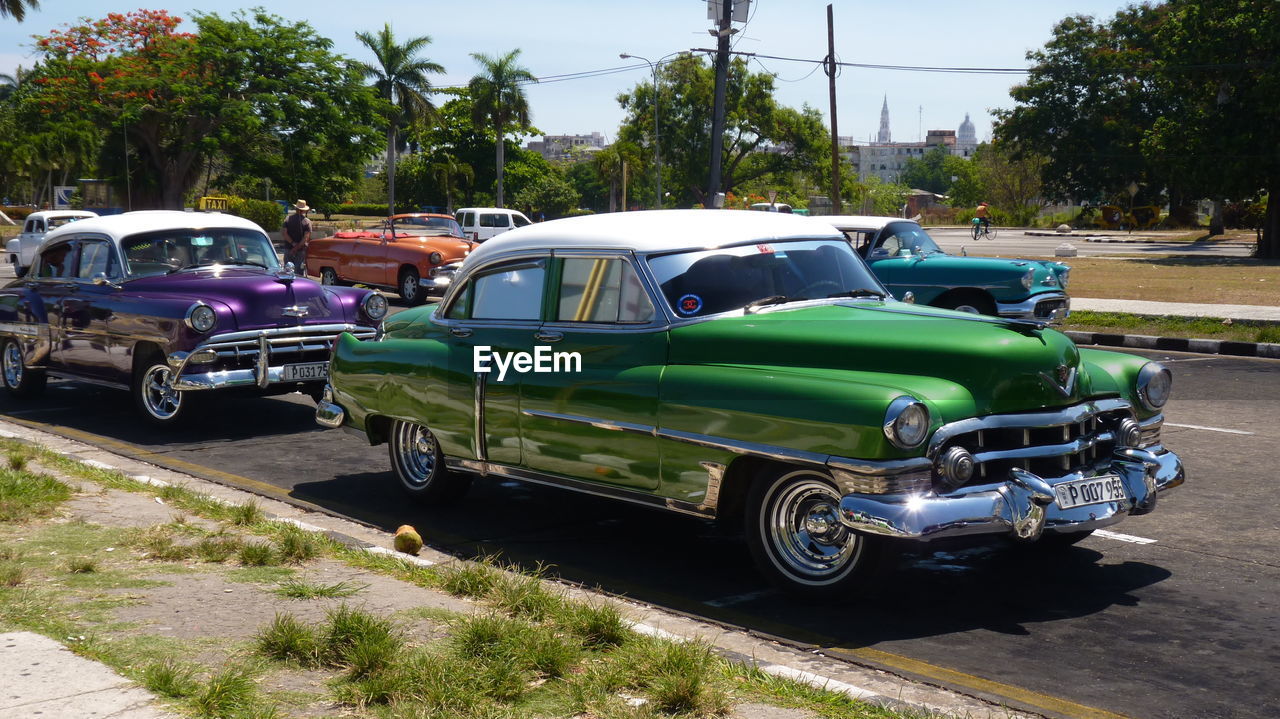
(905, 237)
(705, 282)
(158, 253)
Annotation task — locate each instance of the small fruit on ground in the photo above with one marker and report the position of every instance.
(408, 540)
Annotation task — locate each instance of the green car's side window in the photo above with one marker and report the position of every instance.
(461, 308)
(511, 293)
(602, 290)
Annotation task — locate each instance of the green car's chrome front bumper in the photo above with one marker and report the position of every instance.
(1022, 506)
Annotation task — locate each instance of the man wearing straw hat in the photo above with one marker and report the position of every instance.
(297, 232)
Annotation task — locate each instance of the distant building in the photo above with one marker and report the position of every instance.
(887, 160)
(559, 148)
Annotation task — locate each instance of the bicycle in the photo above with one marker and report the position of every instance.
(983, 230)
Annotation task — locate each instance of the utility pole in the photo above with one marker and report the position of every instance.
(831, 68)
(722, 78)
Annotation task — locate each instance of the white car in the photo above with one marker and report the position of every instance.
(22, 249)
(481, 223)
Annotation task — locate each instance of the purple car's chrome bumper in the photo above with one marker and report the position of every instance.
(270, 350)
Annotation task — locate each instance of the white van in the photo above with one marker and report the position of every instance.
(481, 223)
(22, 249)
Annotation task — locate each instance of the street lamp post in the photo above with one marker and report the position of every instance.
(657, 155)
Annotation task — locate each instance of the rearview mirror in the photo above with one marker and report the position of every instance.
(101, 279)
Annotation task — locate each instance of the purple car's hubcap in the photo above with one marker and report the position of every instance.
(162, 400)
(13, 365)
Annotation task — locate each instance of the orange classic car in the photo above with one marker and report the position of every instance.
(412, 254)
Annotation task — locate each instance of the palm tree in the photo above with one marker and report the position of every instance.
(448, 171)
(400, 77)
(500, 101)
(15, 9)
(611, 163)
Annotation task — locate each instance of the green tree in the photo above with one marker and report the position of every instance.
(1012, 180)
(267, 96)
(1087, 104)
(874, 196)
(761, 139)
(611, 164)
(1218, 58)
(549, 193)
(17, 9)
(400, 77)
(449, 173)
(499, 101)
(935, 170)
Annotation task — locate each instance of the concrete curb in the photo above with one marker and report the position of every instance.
(1130, 240)
(1177, 344)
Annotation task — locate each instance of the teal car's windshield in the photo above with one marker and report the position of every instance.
(158, 253)
(905, 237)
(705, 282)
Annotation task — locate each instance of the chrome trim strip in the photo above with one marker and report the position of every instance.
(1026, 309)
(285, 332)
(1033, 420)
(27, 329)
(62, 374)
(479, 443)
(626, 495)
(597, 423)
(1045, 450)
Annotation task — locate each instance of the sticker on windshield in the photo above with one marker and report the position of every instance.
(689, 305)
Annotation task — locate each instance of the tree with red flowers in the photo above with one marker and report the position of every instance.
(242, 88)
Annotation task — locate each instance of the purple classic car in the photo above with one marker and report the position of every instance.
(164, 304)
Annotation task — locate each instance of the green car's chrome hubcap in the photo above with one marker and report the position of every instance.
(415, 449)
(805, 533)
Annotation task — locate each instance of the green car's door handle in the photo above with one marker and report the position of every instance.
(460, 332)
(544, 336)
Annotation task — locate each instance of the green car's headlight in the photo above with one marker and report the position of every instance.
(906, 423)
(374, 306)
(1154, 383)
(201, 317)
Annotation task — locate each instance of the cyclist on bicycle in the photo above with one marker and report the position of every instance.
(983, 214)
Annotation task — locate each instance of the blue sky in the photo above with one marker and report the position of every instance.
(566, 36)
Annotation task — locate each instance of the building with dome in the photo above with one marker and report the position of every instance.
(886, 159)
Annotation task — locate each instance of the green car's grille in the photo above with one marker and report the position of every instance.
(1052, 451)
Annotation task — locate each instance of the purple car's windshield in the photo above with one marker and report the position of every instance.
(158, 253)
(705, 282)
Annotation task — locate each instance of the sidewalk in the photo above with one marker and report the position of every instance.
(1257, 313)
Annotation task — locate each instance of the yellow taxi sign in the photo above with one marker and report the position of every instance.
(213, 204)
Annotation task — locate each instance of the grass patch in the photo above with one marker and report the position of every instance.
(256, 554)
(170, 678)
(25, 496)
(301, 589)
(81, 565)
(286, 639)
(296, 545)
(1188, 327)
(230, 692)
(218, 549)
(246, 514)
(470, 579)
(1219, 280)
(525, 596)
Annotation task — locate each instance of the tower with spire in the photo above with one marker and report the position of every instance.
(884, 138)
(966, 138)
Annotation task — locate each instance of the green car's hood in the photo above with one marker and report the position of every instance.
(1002, 366)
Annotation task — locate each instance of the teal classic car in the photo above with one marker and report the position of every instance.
(907, 260)
(748, 367)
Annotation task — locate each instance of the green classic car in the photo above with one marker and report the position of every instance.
(748, 367)
(907, 260)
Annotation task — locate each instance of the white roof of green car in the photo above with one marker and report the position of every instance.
(655, 231)
(132, 223)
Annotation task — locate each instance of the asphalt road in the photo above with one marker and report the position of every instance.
(1016, 243)
(1174, 617)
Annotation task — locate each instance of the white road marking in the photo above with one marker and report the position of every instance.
(1123, 537)
(818, 681)
(96, 464)
(1190, 359)
(656, 632)
(1207, 429)
(739, 598)
(302, 525)
(400, 555)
